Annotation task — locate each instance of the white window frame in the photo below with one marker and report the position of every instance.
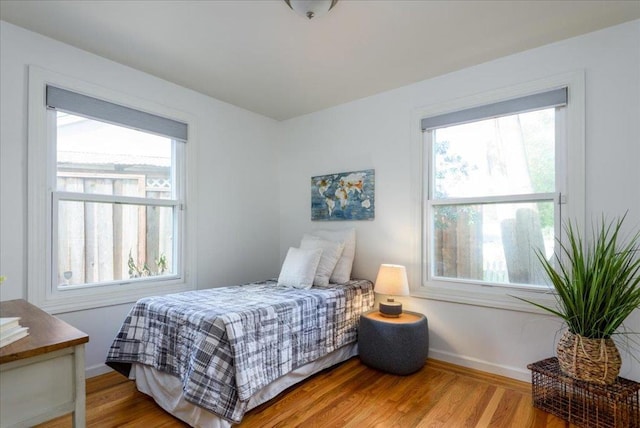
(43, 197)
(570, 159)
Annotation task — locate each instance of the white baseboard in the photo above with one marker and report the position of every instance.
(97, 370)
(460, 360)
(485, 366)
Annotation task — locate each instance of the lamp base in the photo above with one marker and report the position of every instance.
(390, 309)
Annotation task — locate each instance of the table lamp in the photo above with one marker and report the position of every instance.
(392, 281)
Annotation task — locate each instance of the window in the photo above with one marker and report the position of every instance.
(114, 201)
(495, 187)
(117, 196)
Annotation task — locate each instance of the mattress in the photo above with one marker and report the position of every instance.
(227, 344)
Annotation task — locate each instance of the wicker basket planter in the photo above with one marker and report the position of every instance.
(597, 286)
(591, 360)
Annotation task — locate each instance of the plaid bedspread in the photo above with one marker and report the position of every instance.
(227, 343)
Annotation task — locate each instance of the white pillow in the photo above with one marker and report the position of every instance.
(331, 252)
(342, 271)
(299, 268)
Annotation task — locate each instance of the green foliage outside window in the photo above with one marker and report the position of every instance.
(137, 271)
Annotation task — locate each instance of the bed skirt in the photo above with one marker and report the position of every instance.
(166, 389)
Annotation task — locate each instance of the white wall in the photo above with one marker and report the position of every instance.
(237, 184)
(376, 132)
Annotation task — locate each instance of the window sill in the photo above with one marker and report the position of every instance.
(97, 297)
(495, 297)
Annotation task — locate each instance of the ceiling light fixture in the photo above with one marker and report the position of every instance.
(311, 8)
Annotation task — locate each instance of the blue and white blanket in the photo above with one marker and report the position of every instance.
(227, 343)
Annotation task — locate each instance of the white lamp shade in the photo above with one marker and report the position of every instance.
(392, 280)
(311, 8)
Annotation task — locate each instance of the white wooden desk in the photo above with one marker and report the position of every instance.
(41, 375)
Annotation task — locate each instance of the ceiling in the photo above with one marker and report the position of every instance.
(260, 55)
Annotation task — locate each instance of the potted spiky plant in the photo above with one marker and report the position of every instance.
(597, 286)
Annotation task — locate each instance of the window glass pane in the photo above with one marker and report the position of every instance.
(492, 242)
(494, 157)
(101, 158)
(101, 242)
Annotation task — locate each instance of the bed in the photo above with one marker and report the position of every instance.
(209, 356)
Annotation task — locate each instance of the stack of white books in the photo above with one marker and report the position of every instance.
(11, 330)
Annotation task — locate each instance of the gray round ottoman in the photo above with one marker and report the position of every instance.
(394, 345)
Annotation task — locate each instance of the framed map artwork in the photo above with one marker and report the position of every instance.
(343, 196)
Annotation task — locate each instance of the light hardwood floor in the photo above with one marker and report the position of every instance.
(348, 395)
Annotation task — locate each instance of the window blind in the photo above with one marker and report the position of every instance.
(83, 105)
(552, 98)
